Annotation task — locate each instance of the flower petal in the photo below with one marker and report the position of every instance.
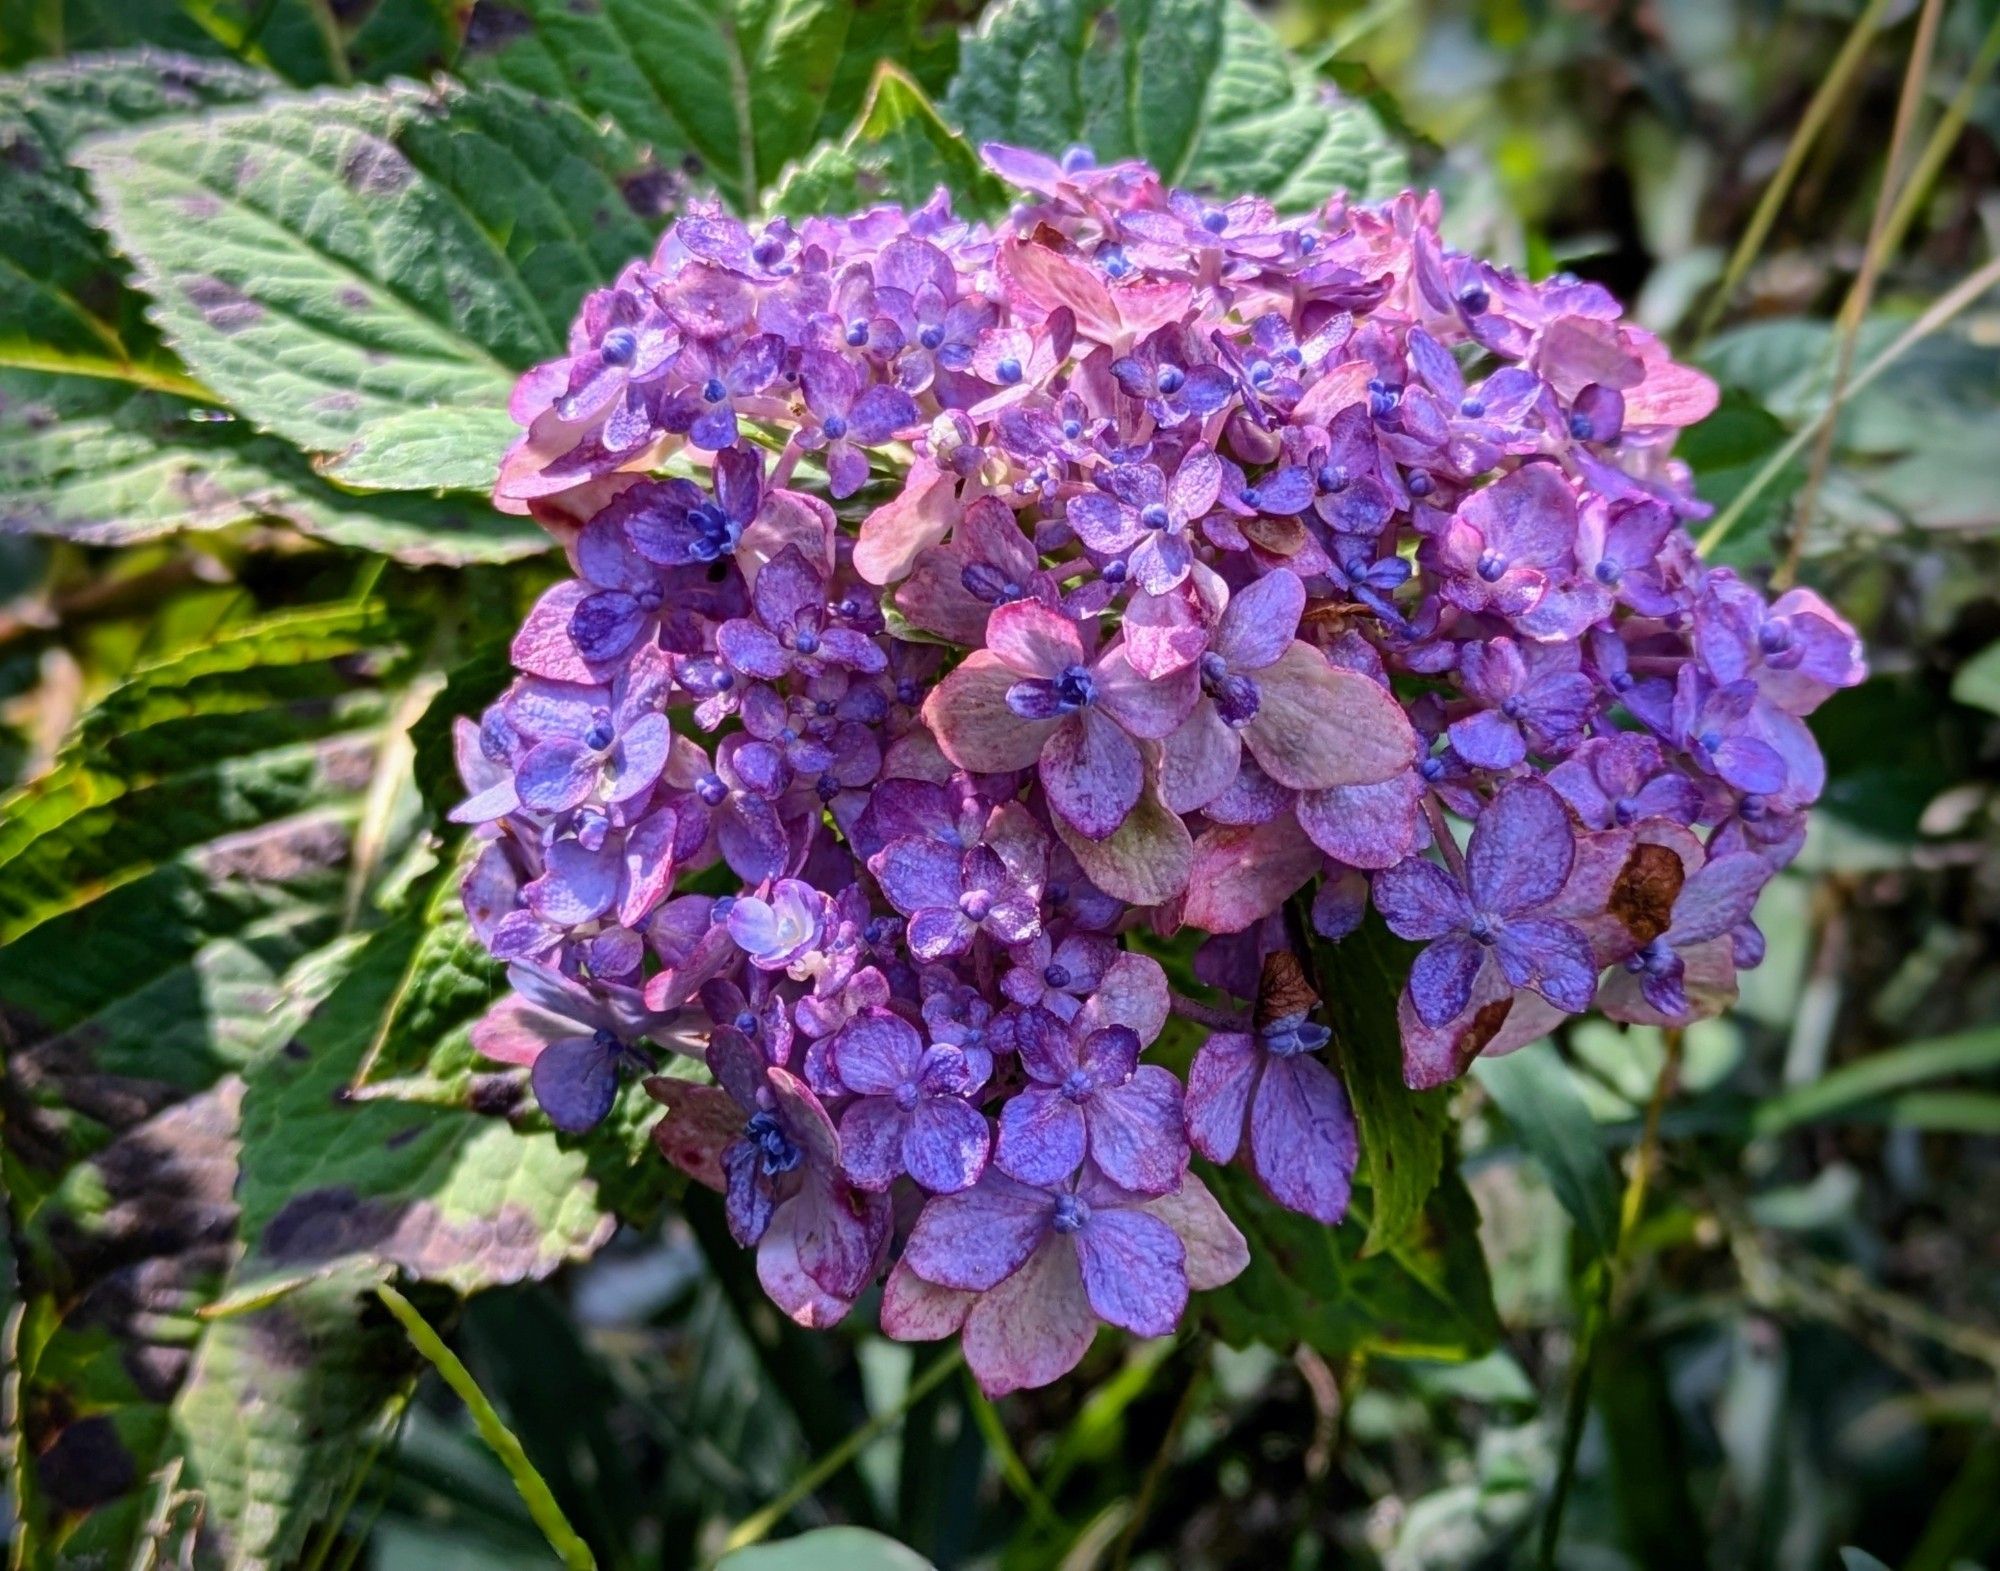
(1134, 1270)
(1303, 1144)
(1318, 726)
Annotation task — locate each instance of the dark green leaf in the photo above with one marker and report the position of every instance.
(733, 89)
(61, 290)
(898, 151)
(364, 274)
(1200, 89)
(192, 845)
(1425, 1297)
(1402, 1131)
(1533, 1088)
(1726, 451)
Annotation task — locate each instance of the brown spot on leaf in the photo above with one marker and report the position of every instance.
(86, 1466)
(492, 26)
(375, 168)
(324, 1225)
(281, 853)
(222, 305)
(1648, 885)
(495, 1095)
(652, 192)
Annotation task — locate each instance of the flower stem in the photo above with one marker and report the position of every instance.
(757, 1526)
(1598, 1311)
(1205, 1014)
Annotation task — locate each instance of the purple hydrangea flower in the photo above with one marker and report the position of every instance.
(1516, 864)
(1091, 1095)
(910, 1112)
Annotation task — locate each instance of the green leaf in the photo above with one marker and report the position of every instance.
(1402, 1131)
(190, 848)
(1726, 451)
(735, 89)
(1869, 1080)
(1533, 1088)
(307, 42)
(1978, 681)
(827, 1549)
(1425, 1297)
(364, 273)
(900, 150)
(61, 290)
(1200, 89)
(191, 976)
(104, 463)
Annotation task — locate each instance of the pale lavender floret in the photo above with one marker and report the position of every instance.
(1059, 976)
(951, 895)
(1516, 864)
(1172, 379)
(777, 932)
(704, 410)
(589, 741)
(1508, 540)
(575, 1040)
(1052, 1262)
(793, 629)
(675, 523)
(1091, 1095)
(1143, 516)
(1345, 470)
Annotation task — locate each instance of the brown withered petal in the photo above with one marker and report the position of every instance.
(1648, 885)
(1283, 989)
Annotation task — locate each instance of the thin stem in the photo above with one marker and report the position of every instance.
(1940, 312)
(1576, 1406)
(1012, 1469)
(1811, 123)
(1854, 309)
(1944, 137)
(757, 1526)
(1205, 1014)
(1163, 1456)
(1446, 840)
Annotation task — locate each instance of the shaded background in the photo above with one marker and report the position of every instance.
(1801, 1348)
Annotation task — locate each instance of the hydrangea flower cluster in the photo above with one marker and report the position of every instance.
(953, 604)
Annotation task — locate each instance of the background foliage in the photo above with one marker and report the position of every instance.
(267, 270)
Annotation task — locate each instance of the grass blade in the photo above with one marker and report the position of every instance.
(571, 1550)
(1940, 311)
(1968, 1052)
(1811, 123)
(1854, 309)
